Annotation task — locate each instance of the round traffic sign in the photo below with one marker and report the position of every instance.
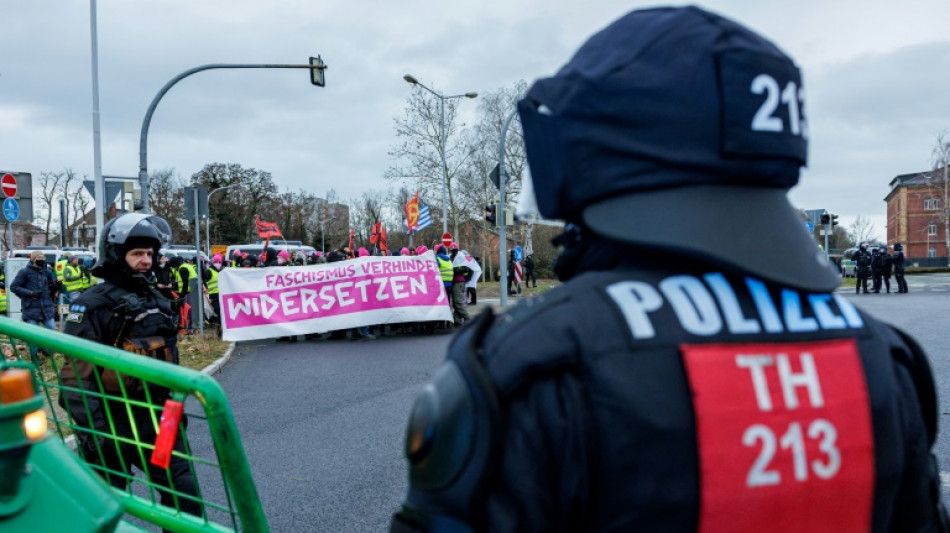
(446, 239)
(11, 211)
(8, 184)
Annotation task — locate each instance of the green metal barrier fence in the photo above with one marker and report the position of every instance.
(225, 494)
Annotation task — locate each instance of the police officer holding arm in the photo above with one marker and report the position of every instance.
(680, 380)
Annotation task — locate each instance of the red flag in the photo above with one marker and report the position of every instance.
(266, 230)
(352, 252)
(382, 240)
(374, 234)
(412, 212)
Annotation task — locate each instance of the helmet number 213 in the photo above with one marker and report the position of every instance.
(792, 96)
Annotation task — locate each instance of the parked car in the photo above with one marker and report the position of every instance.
(188, 252)
(848, 264)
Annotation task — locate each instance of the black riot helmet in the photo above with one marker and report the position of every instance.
(864, 246)
(618, 142)
(898, 247)
(123, 233)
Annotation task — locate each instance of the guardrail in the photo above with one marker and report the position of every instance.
(224, 488)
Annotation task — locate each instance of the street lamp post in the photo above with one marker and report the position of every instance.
(316, 66)
(208, 225)
(442, 98)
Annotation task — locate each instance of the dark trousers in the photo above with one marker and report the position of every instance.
(901, 283)
(861, 280)
(530, 279)
(472, 296)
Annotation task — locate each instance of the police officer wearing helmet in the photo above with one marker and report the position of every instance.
(128, 312)
(862, 262)
(680, 380)
(898, 260)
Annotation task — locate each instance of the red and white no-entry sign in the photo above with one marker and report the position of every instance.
(446, 239)
(8, 184)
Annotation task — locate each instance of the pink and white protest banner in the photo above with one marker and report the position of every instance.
(259, 303)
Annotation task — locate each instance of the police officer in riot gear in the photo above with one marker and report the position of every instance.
(862, 262)
(877, 269)
(898, 260)
(128, 312)
(888, 267)
(680, 379)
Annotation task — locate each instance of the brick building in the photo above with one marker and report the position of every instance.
(915, 215)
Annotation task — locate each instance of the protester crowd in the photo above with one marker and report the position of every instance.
(458, 270)
(70, 276)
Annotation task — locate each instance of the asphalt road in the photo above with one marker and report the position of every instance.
(924, 312)
(322, 422)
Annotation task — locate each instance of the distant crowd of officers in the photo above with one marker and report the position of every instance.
(878, 265)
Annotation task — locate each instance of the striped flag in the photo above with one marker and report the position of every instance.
(424, 219)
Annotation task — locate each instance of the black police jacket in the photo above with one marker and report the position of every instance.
(640, 400)
(898, 259)
(135, 318)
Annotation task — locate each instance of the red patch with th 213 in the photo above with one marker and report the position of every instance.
(784, 437)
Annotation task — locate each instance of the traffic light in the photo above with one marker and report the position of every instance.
(491, 212)
(834, 220)
(825, 219)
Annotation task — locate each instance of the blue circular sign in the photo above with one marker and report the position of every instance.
(809, 227)
(518, 254)
(11, 210)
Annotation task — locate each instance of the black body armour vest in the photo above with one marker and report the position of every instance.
(702, 399)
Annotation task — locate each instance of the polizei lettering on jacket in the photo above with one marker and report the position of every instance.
(709, 305)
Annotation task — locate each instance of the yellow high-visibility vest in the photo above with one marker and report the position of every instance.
(73, 284)
(213, 282)
(445, 269)
(60, 267)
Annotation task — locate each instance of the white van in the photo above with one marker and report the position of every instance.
(187, 252)
(257, 248)
(52, 254)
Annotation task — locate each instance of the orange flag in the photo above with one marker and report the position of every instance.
(412, 212)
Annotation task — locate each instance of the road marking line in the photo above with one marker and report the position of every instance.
(945, 479)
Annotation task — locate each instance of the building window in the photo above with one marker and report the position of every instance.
(931, 252)
(931, 204)
(932, 229)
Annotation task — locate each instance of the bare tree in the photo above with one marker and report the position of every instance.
(52, 188)
(364, 213)
(494, 109)
(419, 154)
(861, 230)
(166, 199)
(941, 160)
(78, 203)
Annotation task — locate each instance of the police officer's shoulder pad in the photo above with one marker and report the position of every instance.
(441, 430)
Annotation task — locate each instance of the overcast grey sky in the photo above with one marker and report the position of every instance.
(876, 75)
